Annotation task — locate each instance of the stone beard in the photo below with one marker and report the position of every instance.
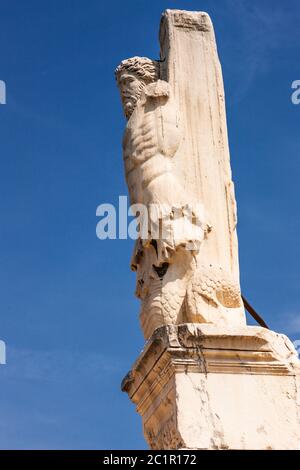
(172, 283)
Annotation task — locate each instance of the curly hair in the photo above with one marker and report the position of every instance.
(143, 68)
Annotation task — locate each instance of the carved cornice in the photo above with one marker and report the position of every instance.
(205, 349)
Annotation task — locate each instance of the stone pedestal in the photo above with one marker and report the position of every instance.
(197, 386)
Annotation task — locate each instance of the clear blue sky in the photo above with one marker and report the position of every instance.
(68, 313)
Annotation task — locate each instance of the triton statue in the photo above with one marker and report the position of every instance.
(181, 274)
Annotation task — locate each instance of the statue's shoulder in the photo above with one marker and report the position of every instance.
(158, 89)
(153, 91)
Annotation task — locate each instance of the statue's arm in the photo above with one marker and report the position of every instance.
(157, 90)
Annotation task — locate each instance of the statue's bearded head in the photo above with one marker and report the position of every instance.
(132, 76)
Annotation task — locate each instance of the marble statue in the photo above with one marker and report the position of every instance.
(179, 279)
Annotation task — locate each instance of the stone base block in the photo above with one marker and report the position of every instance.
(197, 386)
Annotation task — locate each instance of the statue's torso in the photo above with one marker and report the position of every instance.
(151, 138)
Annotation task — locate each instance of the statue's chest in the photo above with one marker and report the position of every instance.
(140, 133)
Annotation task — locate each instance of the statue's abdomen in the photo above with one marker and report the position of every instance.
(148, 146)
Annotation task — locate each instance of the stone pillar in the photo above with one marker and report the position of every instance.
(192, 68)
(197, 386)
(205, 380)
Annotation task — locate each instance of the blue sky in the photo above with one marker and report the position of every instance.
(68, 313)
